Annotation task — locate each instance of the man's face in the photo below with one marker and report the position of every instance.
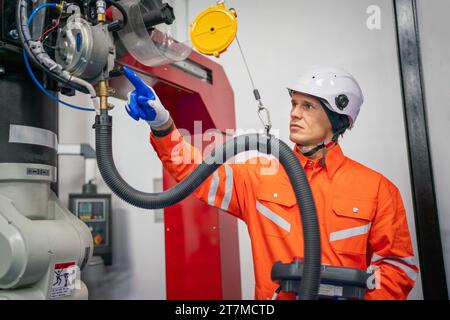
(309, 123)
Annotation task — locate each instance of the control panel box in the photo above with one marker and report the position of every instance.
(95, 211)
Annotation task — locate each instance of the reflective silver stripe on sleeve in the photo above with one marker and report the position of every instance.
(408, 260)
(272, 216)
(348, 233)
(33, 135)
(412, 274)
(228, 187)
(213, 188)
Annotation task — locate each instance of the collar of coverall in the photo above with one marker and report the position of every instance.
(333, 160)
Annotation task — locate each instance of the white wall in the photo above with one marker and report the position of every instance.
(279, 40)
(434, 28)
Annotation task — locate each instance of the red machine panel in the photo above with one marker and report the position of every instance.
(201, 243)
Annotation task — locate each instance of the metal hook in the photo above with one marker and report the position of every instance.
(267, 123)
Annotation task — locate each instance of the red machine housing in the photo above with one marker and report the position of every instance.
(201, 243)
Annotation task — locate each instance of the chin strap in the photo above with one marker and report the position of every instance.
(323, 146)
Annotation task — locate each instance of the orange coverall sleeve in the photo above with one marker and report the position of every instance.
(390, 251)
(180, 158)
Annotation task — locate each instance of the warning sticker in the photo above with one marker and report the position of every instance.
(64, 280)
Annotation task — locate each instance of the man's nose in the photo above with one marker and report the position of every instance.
(296, 113)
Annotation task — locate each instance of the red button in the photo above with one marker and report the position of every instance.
(98, 239)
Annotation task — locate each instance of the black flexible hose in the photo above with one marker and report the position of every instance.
(20, 22)
(270, 145)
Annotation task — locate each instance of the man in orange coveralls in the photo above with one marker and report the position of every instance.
(361, 215)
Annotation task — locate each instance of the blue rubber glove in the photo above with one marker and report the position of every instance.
(143, 103)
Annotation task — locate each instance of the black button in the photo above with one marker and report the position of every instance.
(342, 101)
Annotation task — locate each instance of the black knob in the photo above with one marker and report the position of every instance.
(342, 101)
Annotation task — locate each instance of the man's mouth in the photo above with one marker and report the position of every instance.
(296, 127)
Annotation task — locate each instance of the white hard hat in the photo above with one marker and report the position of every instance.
(337, 88)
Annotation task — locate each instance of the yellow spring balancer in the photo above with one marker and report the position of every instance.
(214, 30)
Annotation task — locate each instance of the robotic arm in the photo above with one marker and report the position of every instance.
(43, 246)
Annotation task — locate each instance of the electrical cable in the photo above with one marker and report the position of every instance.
(21, 22)
(48, 94)
(32, 75)
(43, 39)
(49, 31)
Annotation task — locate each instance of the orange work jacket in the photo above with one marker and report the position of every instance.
(361, 215)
